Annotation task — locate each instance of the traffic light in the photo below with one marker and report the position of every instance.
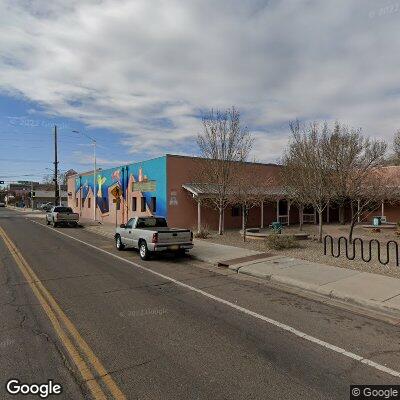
(32, 194)
(1, 182)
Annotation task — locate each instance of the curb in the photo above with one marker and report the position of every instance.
(332, 294)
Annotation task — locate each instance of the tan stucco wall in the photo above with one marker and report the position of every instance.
(181, 170)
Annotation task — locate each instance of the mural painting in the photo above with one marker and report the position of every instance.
(141, 180)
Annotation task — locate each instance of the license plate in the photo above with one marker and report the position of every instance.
(175, 247)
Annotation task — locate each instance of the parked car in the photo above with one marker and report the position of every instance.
(151, 234)
(2, 204)
(46, 206)
(60, 215)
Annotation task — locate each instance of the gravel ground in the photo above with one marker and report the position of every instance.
(312, 250)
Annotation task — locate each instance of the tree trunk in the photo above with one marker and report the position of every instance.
(341, 214)
(244, 211)
(301, 211)
(320, 226)
(220, 230)
(353, 223)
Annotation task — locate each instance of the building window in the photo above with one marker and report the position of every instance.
(236, 211)
(153, 204)
(88, 202)
(134, 203)
(142, 204)
(76, 202)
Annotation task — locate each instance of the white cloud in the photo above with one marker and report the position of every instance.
(82, 158)
(146, 69)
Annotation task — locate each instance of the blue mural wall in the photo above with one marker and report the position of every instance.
(150, 179)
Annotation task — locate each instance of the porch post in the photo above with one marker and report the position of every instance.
(262, 214)
(315, 216)
(358, 210)
(288, 212)
(198, 215)
(277, 210)
(383, 208)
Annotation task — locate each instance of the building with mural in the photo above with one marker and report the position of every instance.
(165, 186)
(161, 186)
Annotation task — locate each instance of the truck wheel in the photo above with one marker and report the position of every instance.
(181, 253)
(118, 243)
(144, 251)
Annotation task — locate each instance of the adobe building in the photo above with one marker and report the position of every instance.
(164, 186)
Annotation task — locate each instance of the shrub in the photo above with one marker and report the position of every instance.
(204, 233)
(276, 241)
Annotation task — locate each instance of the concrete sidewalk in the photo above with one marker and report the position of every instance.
(371, 290)
(28, 212)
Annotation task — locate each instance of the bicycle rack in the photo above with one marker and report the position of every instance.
(366, 258)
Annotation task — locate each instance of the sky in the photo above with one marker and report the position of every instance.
(138, 75)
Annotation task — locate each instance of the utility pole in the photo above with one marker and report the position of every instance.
(56, 191)
(32, 195)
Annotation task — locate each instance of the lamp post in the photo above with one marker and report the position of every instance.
(94, 171)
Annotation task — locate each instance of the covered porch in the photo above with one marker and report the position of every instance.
(274, 207)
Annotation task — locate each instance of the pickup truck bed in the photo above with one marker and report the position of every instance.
(60, 215)
(151, 234)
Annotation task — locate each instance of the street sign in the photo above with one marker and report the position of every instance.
(116, 201)
(116, 192)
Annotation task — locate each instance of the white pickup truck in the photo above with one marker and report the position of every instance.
(151, 234)
(60, 215)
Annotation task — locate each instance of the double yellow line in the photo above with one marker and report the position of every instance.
(71, 340)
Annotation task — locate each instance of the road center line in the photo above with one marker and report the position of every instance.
(246, 311)
(52, 308)
(84, 370)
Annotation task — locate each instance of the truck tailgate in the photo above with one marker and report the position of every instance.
(174, 236)
(67, 217)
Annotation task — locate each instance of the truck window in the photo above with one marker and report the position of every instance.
(63, 209)
(130, 223)
(151, 223)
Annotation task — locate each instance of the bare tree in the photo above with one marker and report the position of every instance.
(306, 172)
(223, 142)
(395, 158)
(49, 178)
(368, 193)
(357, 178)
(249, 190)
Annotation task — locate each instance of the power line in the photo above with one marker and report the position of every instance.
(23, 160)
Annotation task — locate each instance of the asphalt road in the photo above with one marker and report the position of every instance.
(159, 339)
